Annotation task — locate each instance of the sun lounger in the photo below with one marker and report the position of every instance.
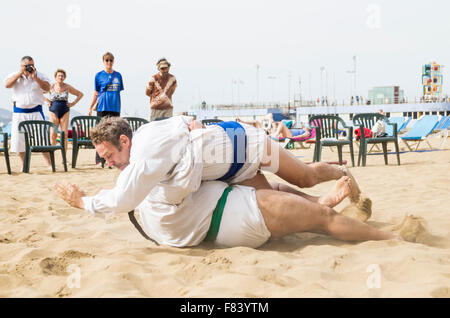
(401, 122)
(300, 140)
(420, 131)
(443, 130)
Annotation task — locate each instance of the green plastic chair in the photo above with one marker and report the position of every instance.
(81, 134)
(136, 122)
(327, 135)
(367, 120)
(38, 139)
(211, 121)
(4, 149)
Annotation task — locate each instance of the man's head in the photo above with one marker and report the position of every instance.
(28, 63)
(112, 140)
(163, 66)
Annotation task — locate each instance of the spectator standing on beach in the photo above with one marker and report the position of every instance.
(160, 89)
(59, 103)
(106, 99)
(28, 87)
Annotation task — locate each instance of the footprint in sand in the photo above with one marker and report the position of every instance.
(413, 229)
(54, 266)
(361, 210)
(73, 254)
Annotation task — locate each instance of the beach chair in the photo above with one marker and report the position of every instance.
(37, 139)
(442, 130)
(327, 135)
(4, 148)
(211, 121)
(136, 122)
(367, 120)
(300, 140)
(81, 134)
(420, 131)
(401, 122)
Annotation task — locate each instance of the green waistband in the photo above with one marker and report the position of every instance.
(217, 216)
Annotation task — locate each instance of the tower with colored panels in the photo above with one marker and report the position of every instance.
(432, 80)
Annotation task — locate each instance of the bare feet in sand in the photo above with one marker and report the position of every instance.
(340, 191)
(354, 189)
(413, 229)
(362, 210)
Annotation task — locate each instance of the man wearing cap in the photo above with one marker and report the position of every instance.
(160, 89)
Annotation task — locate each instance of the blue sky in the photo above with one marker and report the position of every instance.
(213, 43)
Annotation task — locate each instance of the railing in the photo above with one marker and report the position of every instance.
(325, 102)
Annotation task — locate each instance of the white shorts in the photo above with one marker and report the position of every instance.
(17, 139)
(242, 223)
(255, 150)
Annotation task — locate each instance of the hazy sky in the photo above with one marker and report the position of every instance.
(211, 43)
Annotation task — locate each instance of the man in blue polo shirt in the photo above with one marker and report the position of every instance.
(106, 99)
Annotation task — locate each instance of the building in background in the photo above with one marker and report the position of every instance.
(432, 81)
(386, 95)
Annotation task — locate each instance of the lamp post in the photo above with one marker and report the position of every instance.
(272, 78)
(354, 77)
(289, 91)
(322, 68)
(257, 84)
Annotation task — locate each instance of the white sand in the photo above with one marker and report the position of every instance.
(42, 239)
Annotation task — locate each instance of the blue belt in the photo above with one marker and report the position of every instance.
(238, 138)
(38, 108)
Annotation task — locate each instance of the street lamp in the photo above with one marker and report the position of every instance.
(272, 78)
(354, 76)
(322, 68)
(257, 84)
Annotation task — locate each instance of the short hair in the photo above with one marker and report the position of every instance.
(108, 54)
(26, 58)
(59, 70)
(110, 129)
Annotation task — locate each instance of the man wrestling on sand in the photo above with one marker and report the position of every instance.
(161, 178)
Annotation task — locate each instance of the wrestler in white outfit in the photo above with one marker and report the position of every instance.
(163, 182)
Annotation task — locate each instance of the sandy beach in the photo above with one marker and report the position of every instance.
(44, 242)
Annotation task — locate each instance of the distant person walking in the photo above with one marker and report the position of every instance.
(59, 103)
(106, 99)
(28, 87)
(160, 89)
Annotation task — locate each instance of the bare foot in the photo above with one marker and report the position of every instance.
(413, 229)
(355, 192)
(340, 191)
(362, 210)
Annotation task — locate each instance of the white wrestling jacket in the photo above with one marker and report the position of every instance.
(163, 181)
